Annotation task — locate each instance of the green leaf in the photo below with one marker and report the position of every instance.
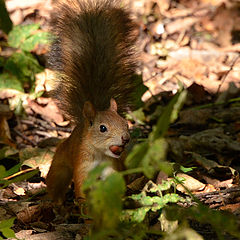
(136, 215)
(142, 198)
(141, 89)
(178, 105)
(165, 185)
(13, 170)
(34, 40)
(160, 202)
(2, 60)
(23, 65)
(148, 203)
(20, 33)
(7, 223)
(185, 170)
(9, 233)
(106, 201)
(169, 115)
(137, 154)
(22, 177)
(138, 115)
(154, 159)
(93, 175)
(5, 228)
(2, 172)
(151, 154)
(8, 81)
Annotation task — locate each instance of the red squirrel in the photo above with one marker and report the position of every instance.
(94, 59)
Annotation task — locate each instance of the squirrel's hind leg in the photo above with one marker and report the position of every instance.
(60, 174)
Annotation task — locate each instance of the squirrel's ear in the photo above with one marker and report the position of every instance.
(113, 105)
(89, 111)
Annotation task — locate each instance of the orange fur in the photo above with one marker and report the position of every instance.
(86, 147)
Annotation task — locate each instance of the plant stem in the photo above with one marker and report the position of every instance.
(132, 170)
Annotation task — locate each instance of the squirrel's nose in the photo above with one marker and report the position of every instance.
(125, 138)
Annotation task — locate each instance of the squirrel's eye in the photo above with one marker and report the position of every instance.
(103, 128)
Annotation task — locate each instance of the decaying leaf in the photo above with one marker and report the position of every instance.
(190, 183)
(37, 158)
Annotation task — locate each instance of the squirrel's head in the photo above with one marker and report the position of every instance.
(106, 130)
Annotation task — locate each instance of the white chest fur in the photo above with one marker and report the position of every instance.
(98, 159)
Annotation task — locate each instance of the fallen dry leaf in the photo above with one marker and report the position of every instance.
(180, 24)
(50, 110)
(190, 183)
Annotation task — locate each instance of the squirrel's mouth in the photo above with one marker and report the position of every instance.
(117, 150)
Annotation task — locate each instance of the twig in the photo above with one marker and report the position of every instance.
(152, 77)
(36, 123)
(25, 138)
(227, 73)
(42, 133)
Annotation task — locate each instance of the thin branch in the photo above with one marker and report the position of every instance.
(227, 73)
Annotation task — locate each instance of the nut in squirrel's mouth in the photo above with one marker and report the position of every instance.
(117, 150)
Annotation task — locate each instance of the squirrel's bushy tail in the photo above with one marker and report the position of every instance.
(93, 53)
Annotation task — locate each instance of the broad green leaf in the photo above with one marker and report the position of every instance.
(153, 203)
(172, 198)
(23, 65)
(21, 177)
(136, 215)
(165, 185)
(169, 115)
(93, 175)
(156, 202)
(160, 202)
(140, 90)
(5, 228)
(154, 159)
(138, 115)
(178, 105)
(2, 172)
(185, 170)
(151, 154)
(13, 170)
(5, 173)
(135, 157)
(7, 232)
(142, 198)
(20, 33)
(2, 60)
(106, 201)
(8, 81)
(34, 40)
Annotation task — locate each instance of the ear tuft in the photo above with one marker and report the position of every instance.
(89, 111)
(113, 105)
